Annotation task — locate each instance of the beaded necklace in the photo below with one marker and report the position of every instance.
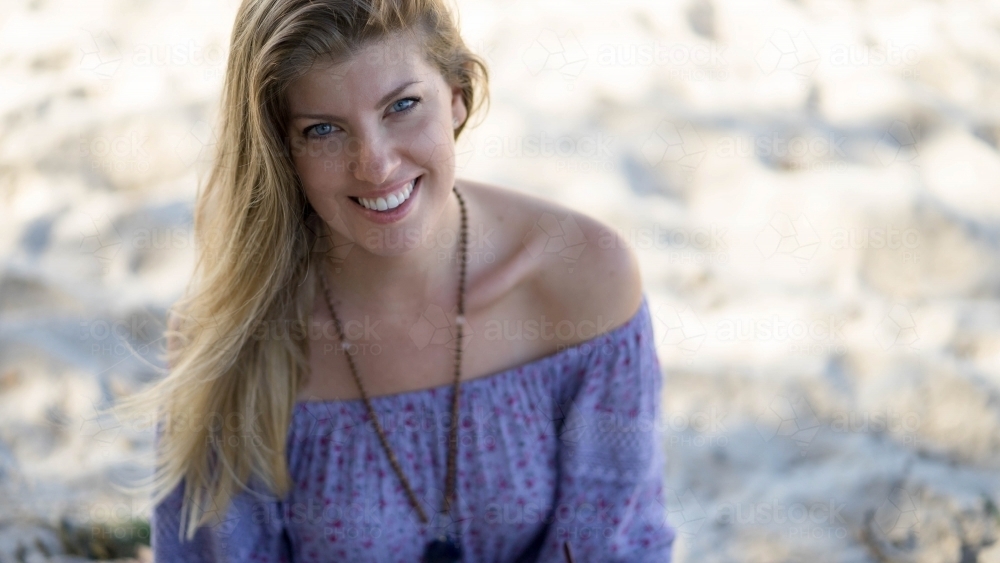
(444, 548)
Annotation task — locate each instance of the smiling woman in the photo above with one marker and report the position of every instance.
(345, 382)
(374, 139)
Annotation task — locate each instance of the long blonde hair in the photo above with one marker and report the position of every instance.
(224, 408)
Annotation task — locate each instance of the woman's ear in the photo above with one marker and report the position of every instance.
(458, 111)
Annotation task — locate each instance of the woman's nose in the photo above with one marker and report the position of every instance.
(377, 158)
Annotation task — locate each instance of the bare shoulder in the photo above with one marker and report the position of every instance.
(563, 263)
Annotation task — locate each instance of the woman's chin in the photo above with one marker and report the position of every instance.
(387, 240)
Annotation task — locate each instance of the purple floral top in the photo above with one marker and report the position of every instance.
(564, 448)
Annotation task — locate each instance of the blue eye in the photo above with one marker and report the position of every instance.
(320, 130)
(404, 104)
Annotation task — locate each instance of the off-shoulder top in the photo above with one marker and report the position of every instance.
(564, 448)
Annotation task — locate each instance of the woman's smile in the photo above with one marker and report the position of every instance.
(388, 206)
(373, 141)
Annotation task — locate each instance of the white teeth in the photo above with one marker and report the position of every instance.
(391, 202)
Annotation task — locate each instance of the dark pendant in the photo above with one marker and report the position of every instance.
(442, 550)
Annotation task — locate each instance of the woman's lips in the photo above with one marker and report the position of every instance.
(390, 215)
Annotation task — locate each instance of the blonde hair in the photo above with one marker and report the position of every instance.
(224, 408)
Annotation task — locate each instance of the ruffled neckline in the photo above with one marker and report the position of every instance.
(533, 365)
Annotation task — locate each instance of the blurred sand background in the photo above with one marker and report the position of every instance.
(813, 188)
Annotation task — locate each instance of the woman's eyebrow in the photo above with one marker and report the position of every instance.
(384, 100)
(395, 92)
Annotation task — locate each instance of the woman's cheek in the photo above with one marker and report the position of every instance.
(429, 141)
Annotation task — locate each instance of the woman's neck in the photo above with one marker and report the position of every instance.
(425, 273)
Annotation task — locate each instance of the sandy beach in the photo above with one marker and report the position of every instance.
(813, 189)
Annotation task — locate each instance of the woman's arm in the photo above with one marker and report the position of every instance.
(610, 499)
(251, 530)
